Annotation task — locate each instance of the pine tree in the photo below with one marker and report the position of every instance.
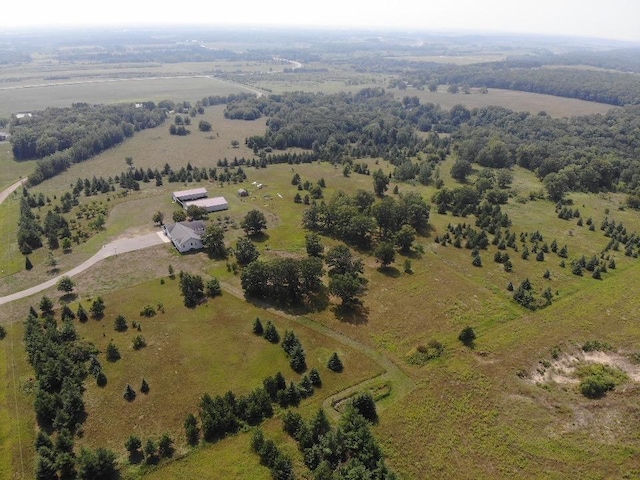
(257, 327)
(334, 363)
(144, 387)
(129, 393)
(27, 264)
(270, 333)
(314, 376)
(82, 313)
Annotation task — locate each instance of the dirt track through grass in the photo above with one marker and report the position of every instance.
(402, 383)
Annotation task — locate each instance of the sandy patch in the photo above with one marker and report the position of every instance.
(562, 370)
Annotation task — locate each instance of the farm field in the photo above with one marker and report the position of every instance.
(27, 98)
(511, 99)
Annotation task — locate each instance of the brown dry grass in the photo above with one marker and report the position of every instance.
(511, 99)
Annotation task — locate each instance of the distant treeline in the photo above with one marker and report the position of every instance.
(592, 153)
(592, 85)
(60, 137)
(621, 59)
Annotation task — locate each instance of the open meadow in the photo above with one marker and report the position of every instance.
(506, 404)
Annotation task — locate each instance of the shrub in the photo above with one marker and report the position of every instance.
(120, 323)
(467, 336)
(598, 379)
(148, 311)
(138, 342)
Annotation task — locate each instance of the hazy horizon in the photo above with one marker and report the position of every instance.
(617, 20)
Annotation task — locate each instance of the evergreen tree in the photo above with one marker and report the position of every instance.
(270, 333)
(82, 313)
(314, 376)
(257, 327)
(129, 393)
(192, 432)
(365, 405)
(27, 263)
(144, 387)
(334, 363)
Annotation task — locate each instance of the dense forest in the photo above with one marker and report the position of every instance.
(60, 137)
(590, 153)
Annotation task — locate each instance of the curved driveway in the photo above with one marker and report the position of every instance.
(114, 248)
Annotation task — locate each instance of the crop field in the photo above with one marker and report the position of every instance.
(511, 99)
(26, 99)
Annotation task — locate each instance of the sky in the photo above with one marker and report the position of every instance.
(612, 19)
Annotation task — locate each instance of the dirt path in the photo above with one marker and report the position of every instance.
(9, 190)
(401, 383)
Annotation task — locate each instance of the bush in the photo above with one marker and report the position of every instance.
(138, 342)
(467, 336)
(598, 379)
(148, 311)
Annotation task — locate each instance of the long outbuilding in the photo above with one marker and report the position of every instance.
(215, 204)
(186, 195)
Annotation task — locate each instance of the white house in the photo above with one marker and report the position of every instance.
(186, 195)
(215, 204)
(185, 236)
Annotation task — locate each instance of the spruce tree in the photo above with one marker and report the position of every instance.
(334, 363)
(129, 393)
(257, 327)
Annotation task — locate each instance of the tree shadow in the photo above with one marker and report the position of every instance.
(470, 344)
(136, 458)
(260, 237)
(68, 297)
(426, 231)
(354, 313)
(389, 271)
(318, 301)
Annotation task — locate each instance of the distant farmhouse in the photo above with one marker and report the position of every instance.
(199, 198)
(185, 236)
(3, 136)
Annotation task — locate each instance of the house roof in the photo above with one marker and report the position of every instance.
(193, 191)
(182, 232)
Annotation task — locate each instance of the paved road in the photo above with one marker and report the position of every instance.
(114, 248)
